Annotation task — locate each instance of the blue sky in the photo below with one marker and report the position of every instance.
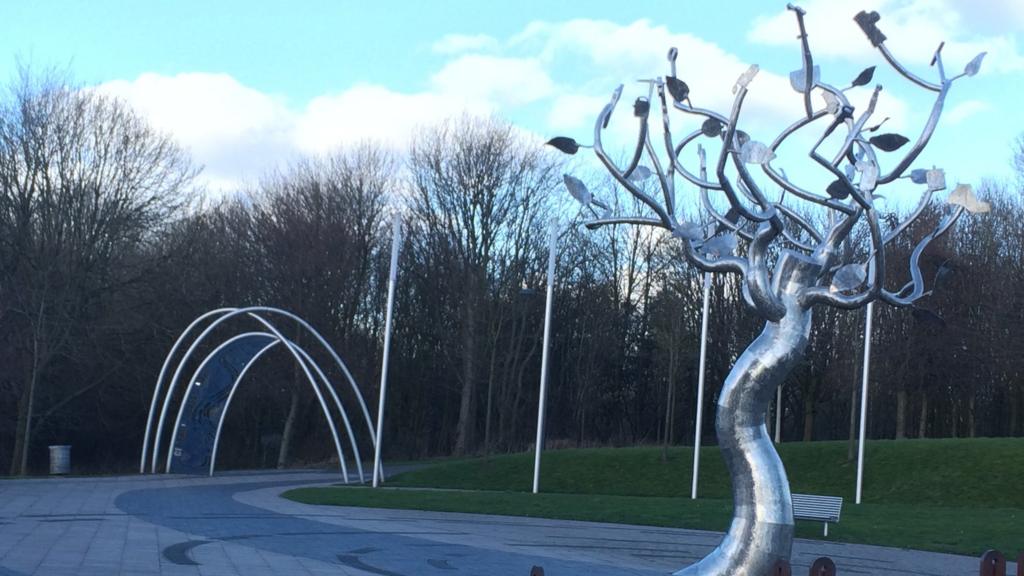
(249, 85)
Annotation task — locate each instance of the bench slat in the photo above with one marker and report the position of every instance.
(815, 507)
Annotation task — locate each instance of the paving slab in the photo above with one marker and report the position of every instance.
(237, 524)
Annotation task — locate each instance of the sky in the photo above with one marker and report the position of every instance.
(248, 86)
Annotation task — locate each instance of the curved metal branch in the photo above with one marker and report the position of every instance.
(722, 220)
(758, 281)
(922, 140)
(598, 223)
(855, 129)
(727, 146)
(793, 188)
(921, 205)
(917, 279)
(875, 281)
(731, 264)
(853, 191)
(808, 60)
(686, 174)
(639, 150)
(667, 181)
(701, 112)
(666, 219)
(903, 71)
(799, 221)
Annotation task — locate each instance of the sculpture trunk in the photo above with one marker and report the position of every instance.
(762, 527)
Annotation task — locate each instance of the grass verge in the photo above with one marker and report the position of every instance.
(959, 496)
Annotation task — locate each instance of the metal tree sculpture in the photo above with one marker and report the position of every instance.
(788, 265)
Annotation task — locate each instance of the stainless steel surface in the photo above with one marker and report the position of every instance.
(543, 393)
(869, 313)
(788, 266)
(396, 243)
(698, 425)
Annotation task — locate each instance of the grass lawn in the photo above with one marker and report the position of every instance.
(962, 496)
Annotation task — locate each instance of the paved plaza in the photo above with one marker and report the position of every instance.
(236, 524)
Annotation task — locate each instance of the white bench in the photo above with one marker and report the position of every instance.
(820, 508)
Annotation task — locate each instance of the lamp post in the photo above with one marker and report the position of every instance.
(542, 397)
(396, 242)
(868, 313)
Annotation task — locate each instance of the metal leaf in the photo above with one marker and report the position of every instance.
(720, 245)
(868, 174)
(642, 107)
(688, 231)
(851, 171)
(798, 78)
(565, 144)
(919, 176)
(936, 179)
(742, 138)
(848, 277)
(578, 189)
(754, 152)
(974, 65)
(640, 173)
(838, 190)
(711, 128)
(868, 23)
(864, 77)
(745, 78)
(677, 88)
(963, 195)
(888, 142)
(831, 102)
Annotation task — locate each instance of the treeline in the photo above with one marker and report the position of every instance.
(107, 252)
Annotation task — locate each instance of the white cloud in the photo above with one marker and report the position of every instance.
(965, 110)
(572, 111)
(914, 29)
(231, 129)
(368, 112)
(239, 133)
(459, 43)
(501, 81)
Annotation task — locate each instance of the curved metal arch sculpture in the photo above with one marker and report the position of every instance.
(268, 339)
(228, 313)
(216, 360)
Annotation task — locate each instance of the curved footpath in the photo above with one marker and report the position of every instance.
(236, 524)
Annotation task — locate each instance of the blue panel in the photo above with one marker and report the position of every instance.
(193, 446)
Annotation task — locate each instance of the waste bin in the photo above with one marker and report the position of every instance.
(60, 459)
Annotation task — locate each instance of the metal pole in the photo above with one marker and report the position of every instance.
(778, 415)
(396, 242)
(868, 313)
(541, 403)
(700, 381)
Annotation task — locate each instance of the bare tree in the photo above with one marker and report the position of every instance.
(476, 199)
(790, 265)
(316, 229)
(83, 183)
